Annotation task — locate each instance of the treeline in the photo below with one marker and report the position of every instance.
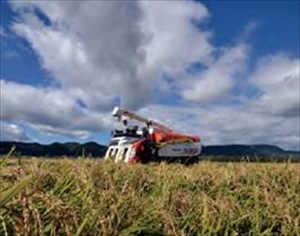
(233, 153)
(71, 149)
(249, 153)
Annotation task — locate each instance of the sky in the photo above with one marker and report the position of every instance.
(225, 70)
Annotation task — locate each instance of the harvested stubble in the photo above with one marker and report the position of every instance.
(93, 197)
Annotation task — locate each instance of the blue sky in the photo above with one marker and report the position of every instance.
(277, 24)
(225, 70)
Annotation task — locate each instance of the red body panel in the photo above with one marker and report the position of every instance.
(158, 137)
(138, 146)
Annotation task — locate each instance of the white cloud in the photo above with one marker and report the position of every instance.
(12, 132)
(50, 130)
(173, 41)
(278, 78)
(217, 80)
(91, 48)
(45, 107)
(100, 50)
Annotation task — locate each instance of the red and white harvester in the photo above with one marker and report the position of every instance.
(152, 142)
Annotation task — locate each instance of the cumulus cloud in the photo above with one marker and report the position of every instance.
(174, 42)
(217, 80)
(100, 50)
(46, 107)
(12, 132)
(90, 48)
(278, 79)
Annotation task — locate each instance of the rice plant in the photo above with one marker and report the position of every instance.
(93, 197)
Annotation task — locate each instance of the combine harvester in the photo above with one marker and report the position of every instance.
(152, 142)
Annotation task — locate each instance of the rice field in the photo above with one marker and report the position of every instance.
(93, 197)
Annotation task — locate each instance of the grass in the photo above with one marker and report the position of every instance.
(93, 197)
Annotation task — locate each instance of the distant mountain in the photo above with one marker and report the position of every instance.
(70, 149)
(260, 152)
(93, 149)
